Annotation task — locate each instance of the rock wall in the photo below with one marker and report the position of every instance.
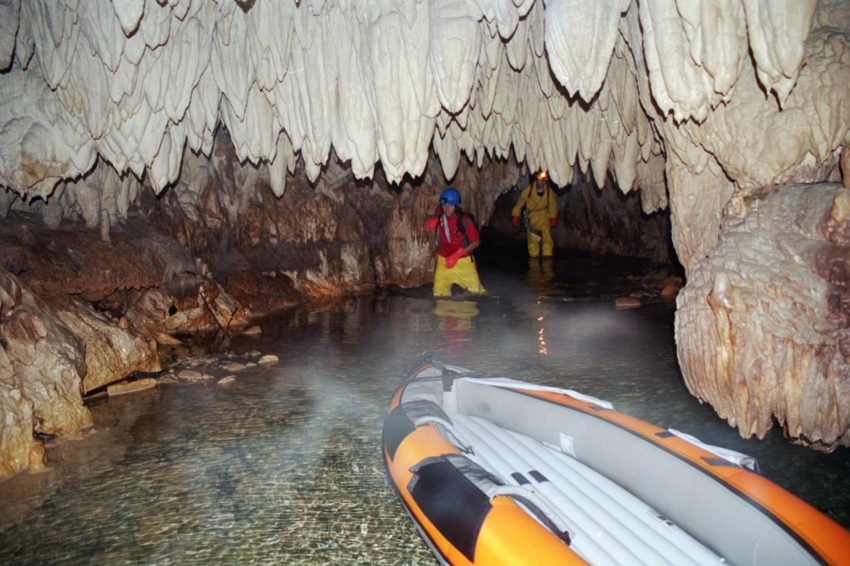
(604, 220)
(327, 237)
(42, 365)
(78, 313)
(763, 326)
(601, 220)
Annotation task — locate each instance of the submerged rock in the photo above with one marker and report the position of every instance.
(126, 387)
(627, 303)
(190, 375)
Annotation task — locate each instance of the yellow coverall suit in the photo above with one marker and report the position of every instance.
(542, 209)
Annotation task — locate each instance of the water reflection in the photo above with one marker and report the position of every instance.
(284, 466)
(456, 320)
(540, 270)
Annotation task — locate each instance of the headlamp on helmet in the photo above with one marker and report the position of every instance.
(542, 176)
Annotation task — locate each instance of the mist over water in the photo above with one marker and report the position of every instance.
(284, 466)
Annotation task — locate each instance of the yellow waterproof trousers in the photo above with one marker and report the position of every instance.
(539, 221)
(463, 274)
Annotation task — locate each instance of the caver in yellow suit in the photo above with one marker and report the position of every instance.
(458, 238)
(542, 207)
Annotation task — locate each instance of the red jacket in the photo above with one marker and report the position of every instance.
(455, 239)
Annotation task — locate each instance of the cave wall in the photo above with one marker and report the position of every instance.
(766, 315)
(595, 219)
(327, 237)
(695, 106)
(211, 251)
(604, 220)
(618, 87)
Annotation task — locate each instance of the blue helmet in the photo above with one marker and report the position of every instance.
(450, 197)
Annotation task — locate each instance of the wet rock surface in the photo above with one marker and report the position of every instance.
(112, 353)
(84, 312)
(42, 365)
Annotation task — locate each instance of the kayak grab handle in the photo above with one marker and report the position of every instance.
(536, 506)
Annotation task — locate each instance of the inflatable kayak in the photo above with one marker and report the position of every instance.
(496, 471)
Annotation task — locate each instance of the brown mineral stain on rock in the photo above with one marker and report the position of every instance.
(165, 339)
(111, 353)
(130, 386)
(627, 303)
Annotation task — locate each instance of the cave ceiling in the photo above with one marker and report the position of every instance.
(675, 98)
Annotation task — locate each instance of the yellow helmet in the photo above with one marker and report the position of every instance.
(542, 175)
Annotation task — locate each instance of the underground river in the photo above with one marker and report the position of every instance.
(283, 466)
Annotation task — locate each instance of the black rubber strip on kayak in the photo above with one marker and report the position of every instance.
(396, 428)
(453, 504)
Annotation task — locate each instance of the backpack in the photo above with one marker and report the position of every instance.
(465, 220)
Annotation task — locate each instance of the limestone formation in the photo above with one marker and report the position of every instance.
(111, 352)
(16, 438)
(42, 365)
(295, 147)
(461, 77)
(604, 220)
(57, 346)
(763, 326)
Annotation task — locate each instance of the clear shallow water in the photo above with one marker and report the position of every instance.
(284, 466)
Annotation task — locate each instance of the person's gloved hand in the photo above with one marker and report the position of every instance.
(515, 220)
(552, 222)
(451, 261)
(432, 223)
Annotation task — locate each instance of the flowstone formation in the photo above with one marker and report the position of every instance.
(767, 315)
(355, 108)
